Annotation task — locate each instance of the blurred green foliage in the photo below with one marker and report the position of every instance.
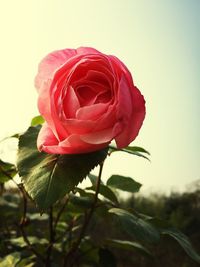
(179, 210)
(105, 243)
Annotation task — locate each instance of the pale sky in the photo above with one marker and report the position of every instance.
(158, 40)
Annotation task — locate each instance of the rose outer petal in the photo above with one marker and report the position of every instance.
(46, 138)
(48, 143)
(87, 50)
(50, 64)
(135, 121)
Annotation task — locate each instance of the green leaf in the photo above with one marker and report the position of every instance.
(106, 258)
(157, 222)
(106, 192)
(134, 150)
(136, 227)
(184, 243)
(47, 177)
(89, 253)
(128, 245)
(103, 190)
(28, 262)
(84, 202)
(7, 204)
(37, 120)
(37, 216)
(93, 179)
(7, 171)
(10, 260)
(124, 183)
(19, 241)
(9, 212)
(14, 136)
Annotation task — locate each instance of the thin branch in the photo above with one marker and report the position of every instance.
(23, 222)
(60, 212)
(31, 248)
(5, 173)
(52, 231)
(69, 231)
(1, 189)
(69, 258)
(24, 218)
(51, 238)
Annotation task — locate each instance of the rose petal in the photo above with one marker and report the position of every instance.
(87, 50)
(44, 106)
(47, 141)
(104, 136)
(98, 77)
(50, 64)
(52, 116)
(70, 103)
(86, 95)
(134, 123)
(107, 120)
(79, 126)
(121, 69)
(91, 112)
(46, 137)
(92, 69)
(124, 107)
(74, 145)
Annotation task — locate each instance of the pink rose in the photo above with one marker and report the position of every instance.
(87, 99)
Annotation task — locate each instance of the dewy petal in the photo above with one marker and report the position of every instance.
(50, 64)
(91, 112)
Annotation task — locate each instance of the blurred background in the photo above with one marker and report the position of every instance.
(158, 40)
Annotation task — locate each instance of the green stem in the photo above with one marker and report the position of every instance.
(70, 256)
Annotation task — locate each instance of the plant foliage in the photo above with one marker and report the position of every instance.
(72, 225)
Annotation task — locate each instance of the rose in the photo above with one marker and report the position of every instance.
(87, 99)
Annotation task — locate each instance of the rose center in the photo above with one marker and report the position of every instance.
(89, 96)
(85, 95)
